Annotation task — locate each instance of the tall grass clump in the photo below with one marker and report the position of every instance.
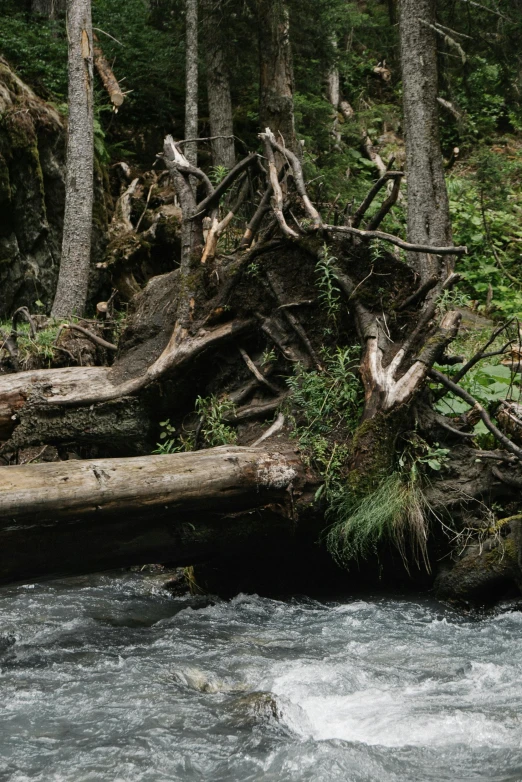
(394, 513)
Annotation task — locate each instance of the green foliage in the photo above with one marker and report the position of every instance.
(394, 513)
(485, 206)
(217, 174)
(325, 408)
(38, 350)
(214, 430)
(36, 48)
(329, 293)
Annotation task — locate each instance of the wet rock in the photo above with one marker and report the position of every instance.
(485, 573)
(257, 708)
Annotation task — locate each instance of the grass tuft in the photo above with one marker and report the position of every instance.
(394, 513)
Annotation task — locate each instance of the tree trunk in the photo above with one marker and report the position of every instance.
(276, 103)
(49, 8)
(428, 210)
(218, 87)
(71, 293)
(191, 80)
(73, 517)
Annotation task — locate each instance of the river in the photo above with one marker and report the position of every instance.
(109, 678)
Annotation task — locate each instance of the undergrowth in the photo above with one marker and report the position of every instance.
(324, 409)
(211, 431)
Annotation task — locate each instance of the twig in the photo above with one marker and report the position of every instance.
(458, 391)
(93, 337)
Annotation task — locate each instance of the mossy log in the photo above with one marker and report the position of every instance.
(75, 517)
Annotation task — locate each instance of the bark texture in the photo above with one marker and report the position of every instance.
(218, 86)
(80, 516)
(428, 211)
(191, 80)
(71, 293)
(276, 104)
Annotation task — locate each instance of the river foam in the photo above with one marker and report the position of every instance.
(109, 678)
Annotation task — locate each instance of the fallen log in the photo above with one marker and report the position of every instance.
(110, 82)
(76, 517)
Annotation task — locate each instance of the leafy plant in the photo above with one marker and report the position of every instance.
(325, 408)
(329, 293)
(214, 430)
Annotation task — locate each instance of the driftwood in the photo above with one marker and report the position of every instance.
(74, 517)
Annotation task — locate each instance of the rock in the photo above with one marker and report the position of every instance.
(485, 573)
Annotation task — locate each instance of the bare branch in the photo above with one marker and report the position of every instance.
(297, 171)
(257, 374)
(93, 337)
(361, 211)
(385, 206)
(276, 187)
(415, 248)
(213, 198)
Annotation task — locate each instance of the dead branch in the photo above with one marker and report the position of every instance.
(373, 192)
(488, 423)
(108, 78)
(276, 427)
(23, 312)
(256, 410)
(419, 294)
(257, 374)
(297, 172)
(387, 204)
(415, 248)
(212, 198)
(278, 203)
(93, 337)
(217, 227)
(253, 226)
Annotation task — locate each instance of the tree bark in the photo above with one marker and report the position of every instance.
(74, 517)
(276, 103)
(191, 80)
(71, 293)
(428, 210)
(218, 87)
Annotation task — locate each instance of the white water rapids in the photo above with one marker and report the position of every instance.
(111, 679)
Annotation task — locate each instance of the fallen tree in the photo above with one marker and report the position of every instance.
(78, 516)
(205, 329)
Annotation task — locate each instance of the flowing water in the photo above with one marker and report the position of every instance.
(111, 679)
